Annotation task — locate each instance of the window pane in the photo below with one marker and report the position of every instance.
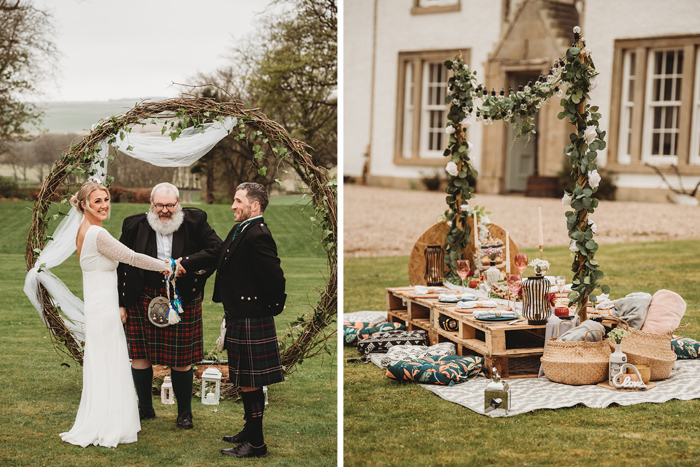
(668, 123)
(669, 62)
(659, 62)
(679, 61)
(657, 117)
(630, 97)
(632, 63)
(667, 144)
(678, 89)
(655, 144)
(657, 90)
(668, 86)
(629, 118)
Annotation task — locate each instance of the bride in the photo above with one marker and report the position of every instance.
(108, 412)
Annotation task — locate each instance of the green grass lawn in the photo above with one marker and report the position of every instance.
(407, 425)
(40, 395)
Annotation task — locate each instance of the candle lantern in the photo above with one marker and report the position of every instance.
(211, 386)
(497, 396)
(167, 396)
(434, 264)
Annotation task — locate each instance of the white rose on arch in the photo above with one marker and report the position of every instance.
(452, 169)
(464, 207)
(566, 199)
(468, 121)
(594, 178)
(590, 134)
(469, 147)
(450, 129)
(573, 247)
(593, 226)
(594, 83)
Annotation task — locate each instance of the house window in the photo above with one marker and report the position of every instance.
(662, 112)
(421, 7)
(695, 143)
(655, 113)
(627, 108)
(421, 109)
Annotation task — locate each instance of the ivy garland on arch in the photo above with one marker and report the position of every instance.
(307, 336)
(471, 102)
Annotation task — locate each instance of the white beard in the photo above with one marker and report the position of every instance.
(165, 227)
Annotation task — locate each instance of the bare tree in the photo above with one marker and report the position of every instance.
(47, 149)
(27, 57)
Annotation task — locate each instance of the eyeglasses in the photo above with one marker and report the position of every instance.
(161, 206)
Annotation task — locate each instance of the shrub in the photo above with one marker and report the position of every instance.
(9, 188)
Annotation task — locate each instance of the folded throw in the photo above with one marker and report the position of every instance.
(578, 334)
(633, 308)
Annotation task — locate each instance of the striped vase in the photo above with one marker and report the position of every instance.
(536, 305)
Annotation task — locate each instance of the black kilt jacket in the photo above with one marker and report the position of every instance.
(249, 279)
(195, 241)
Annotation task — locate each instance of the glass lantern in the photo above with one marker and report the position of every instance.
(434, 264)
(211, 386)
(167, 396)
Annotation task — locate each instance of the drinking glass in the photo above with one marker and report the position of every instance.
(521, 262)
(515, 282)
(561, 282)
(462, 271)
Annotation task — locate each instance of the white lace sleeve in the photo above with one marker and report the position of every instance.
(117, 251)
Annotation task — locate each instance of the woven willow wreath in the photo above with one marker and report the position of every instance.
(308, 331)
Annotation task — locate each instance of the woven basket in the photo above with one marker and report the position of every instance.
(576, 363)
(643, 348)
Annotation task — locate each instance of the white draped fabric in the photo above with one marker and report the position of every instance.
(154, 148)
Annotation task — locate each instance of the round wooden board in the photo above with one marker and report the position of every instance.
(436, 235)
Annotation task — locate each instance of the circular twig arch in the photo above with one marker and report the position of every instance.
(186, 113)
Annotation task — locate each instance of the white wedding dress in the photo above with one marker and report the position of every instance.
(108, 414)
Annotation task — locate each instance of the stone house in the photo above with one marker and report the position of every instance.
(394, 86)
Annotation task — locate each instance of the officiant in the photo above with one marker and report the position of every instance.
(166, 231)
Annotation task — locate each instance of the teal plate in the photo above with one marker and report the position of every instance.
(502, 318)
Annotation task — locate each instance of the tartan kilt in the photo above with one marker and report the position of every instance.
(253, 352)
(176, 345)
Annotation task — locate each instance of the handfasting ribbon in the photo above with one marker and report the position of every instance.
(174, 303)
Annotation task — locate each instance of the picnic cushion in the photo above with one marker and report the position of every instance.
(381, 342)
(412, 352)
(350, 330)
(445, 370)
(665, 312)
(366, 332)
(685, 347)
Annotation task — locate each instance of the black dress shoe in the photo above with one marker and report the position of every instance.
(184, 420)
(246, 450)
(146, 414)
(240, 437)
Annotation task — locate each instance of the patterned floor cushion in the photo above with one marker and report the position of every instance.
(350, 330)
(444, 370)
(381, 342)
(366, 332)
(413, 352)
(685, 347)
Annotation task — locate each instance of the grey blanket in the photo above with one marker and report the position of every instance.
(633, 308)
(578, 334)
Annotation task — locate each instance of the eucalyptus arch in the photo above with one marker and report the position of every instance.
(179, 118)
(571, 79)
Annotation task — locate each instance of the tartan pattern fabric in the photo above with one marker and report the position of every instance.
(253, 352)
(175, 345)
(444, 370)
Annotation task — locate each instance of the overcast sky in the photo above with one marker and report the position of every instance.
(115, 49)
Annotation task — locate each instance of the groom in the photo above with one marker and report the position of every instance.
(250, 284)
(166, 231)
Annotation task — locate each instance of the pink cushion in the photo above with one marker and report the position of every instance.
(665, 312)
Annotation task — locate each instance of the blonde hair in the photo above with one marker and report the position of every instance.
(82, 196)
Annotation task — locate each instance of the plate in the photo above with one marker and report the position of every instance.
(501, 318)
(566, 317)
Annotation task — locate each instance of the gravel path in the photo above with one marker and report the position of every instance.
(387, 222)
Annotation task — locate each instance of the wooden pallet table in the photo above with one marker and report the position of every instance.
(514, 350)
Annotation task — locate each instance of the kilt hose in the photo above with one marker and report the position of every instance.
(175, 345)
(253, 352)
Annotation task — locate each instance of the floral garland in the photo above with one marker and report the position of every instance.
(471, 102)
(588, 139)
